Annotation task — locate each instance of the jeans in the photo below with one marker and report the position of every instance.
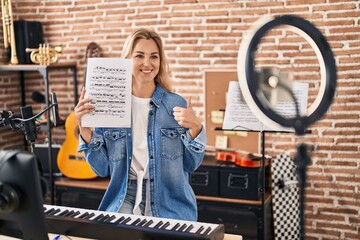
(129, 201)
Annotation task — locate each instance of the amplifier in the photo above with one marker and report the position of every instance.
(240, 182)
(223, 179)
(41, 152)
(244, 219)
(28, 34)
(205, 180)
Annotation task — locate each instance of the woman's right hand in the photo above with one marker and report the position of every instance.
(81, 109)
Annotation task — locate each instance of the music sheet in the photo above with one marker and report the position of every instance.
(108, 84)
(238, 115)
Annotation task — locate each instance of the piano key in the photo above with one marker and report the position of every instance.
(128, 219)
(98, 217)
(149, 223)
(200, 230)
(63, 213)
(207, 231)
(90, 216)
(119, 220)
(181, 229)
(55, 212)
(69, 213)
(134, 223)
(142, 222)
(165, 225)
(49, 211)
(159, 224)
(110, 218)
(189, 228)
(175, 227)
(104, 218)
(75, 214)
(85, 214)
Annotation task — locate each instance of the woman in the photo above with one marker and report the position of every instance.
(148, 164)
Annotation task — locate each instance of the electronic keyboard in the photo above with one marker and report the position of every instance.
(107, 225)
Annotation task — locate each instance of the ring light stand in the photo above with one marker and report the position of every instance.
(250, 85)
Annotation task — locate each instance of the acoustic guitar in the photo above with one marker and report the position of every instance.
(70, 162)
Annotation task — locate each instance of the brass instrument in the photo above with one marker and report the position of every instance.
(44, 55)
(9, 33)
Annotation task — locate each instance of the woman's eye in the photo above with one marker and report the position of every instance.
(138, 56)
(154, 57)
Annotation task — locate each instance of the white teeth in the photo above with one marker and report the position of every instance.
(146, 71)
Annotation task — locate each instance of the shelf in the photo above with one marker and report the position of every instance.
(44, 71)
(33, 67)
(96, 183)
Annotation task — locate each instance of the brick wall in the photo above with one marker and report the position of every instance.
(206, 34)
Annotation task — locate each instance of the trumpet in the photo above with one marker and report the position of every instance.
(9, 33)
(44, 55)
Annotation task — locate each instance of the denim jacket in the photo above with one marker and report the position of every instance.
(172, 156)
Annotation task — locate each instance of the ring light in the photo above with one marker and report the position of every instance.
(249, 81)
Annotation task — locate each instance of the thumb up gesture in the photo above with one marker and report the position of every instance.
(186, 118)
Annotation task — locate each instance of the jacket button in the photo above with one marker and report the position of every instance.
(151, 157)
(151, 113)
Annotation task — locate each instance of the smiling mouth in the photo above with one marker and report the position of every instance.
(146, 71)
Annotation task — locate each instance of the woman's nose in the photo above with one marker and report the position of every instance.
(146, 61)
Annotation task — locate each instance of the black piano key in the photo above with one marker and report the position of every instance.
(175, 227)
(110, 218)
(50, 211)
(165, 225)
(103, 219)
(98, 217)
(54, 212)
(207, 231)
(126, 220)
(158, 224)
(142, 223)
(182, 227)
(119, 220)
(201, 228)
(149, 223)
(89, 216)
(69, 213)
(63, 213)
(189, 228)
(135, 222)
(84, 215)
(75, 214)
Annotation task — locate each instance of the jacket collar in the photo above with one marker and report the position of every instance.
(158, 95)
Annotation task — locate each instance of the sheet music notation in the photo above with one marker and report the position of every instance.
(108, 84)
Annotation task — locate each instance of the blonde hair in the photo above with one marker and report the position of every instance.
(162, 78)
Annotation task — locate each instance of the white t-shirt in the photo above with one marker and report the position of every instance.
(140, 158)
(140, 113)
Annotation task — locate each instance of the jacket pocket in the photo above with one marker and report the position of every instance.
(171, 144)
(116, 144)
